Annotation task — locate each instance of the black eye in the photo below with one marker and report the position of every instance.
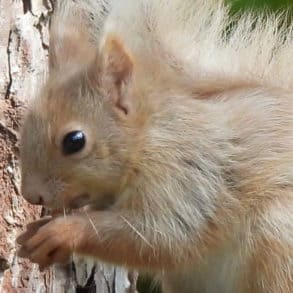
(73, 142)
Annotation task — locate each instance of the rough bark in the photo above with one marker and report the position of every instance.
(24, 43)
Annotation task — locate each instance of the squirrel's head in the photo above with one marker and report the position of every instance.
(80, 136)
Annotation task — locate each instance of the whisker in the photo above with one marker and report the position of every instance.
(136, 231)
(91, 222)
(71, 271)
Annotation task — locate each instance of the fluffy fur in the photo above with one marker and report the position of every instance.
(189, 122)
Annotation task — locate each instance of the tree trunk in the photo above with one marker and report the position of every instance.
(24, 44)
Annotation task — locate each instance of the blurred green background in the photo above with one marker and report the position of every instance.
(145, 284)
(273, 5)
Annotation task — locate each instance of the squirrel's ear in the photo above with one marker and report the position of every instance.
(116, 62)
(70, 46)
(116, 67)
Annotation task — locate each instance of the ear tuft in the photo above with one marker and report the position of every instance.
(70, 46)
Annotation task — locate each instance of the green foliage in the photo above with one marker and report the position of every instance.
(260, 5)
(147, 285)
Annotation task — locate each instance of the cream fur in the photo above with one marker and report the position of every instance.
(202, 165)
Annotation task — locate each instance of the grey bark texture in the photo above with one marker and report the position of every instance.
(24, 51)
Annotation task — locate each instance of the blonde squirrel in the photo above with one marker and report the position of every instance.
(179, 137)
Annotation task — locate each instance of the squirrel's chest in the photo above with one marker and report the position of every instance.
(220, 274)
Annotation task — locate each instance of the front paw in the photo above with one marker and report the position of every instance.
(50, 240)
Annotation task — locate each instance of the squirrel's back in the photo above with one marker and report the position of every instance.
(201, 39)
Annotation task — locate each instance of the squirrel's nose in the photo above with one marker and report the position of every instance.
(35, 190)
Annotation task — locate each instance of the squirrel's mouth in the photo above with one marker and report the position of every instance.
(79, 201)
(101, 202)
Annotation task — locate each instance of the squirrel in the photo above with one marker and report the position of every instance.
(177, 134)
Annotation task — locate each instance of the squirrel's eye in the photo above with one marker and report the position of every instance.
(73, 142)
